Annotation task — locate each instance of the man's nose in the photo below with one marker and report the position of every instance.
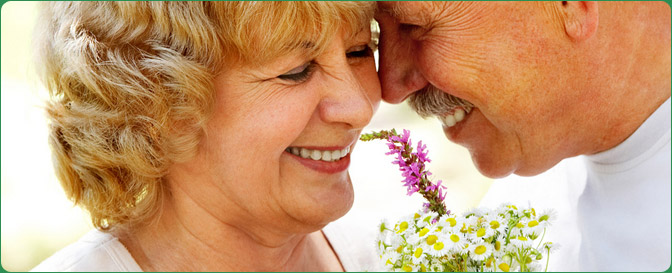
(399, 76)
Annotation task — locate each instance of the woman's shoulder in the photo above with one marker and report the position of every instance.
(353, 240)
(95, 251)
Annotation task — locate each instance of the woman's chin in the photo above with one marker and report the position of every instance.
(329, 204)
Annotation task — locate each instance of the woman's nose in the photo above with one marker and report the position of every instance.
(351, 98)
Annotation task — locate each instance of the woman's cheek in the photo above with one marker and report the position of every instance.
(368, 77)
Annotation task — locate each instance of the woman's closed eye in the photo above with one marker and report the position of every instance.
(299, 73)
(360, 51)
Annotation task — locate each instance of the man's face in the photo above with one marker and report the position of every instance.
(504, 58)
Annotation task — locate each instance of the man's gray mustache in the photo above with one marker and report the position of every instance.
(431, 101)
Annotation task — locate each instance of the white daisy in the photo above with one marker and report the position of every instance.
(427, 219)
(465, 248)
(413, 238)
(471, 220)
(521, 242)
(402, 226)
(547, 217)
(390, 258)
(454, 223)
(481, 251)
(419, 254)
(478, 212)
(496, 223)
(498, 248)
(380, 247)
(480, 233)
(455, 241)
(439, 249)
(396, 239)
(502, 208)
(532, 227)
(549, 247)
(383, 226)
(517, 230)
(504, 266)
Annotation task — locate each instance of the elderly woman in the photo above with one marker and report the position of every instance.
(208, 136)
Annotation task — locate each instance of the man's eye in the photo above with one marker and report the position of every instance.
(414, 31)
(361, 51)
(299, 74)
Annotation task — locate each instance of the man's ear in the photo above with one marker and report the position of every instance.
(580, 19)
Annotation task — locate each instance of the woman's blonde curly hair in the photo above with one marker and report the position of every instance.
(131, 85)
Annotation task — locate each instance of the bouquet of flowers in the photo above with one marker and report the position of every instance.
(434, 239)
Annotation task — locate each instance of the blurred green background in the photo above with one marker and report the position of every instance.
(37, 219)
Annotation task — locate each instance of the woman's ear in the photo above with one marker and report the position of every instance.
(580, 19)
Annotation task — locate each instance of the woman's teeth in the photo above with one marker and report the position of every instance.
(450, 120)
(328, 156)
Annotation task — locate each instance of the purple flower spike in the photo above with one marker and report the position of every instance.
(412, 167)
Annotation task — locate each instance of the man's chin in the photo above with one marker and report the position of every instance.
(491, 170)
(493, 164)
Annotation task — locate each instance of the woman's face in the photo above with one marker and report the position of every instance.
(247, 168)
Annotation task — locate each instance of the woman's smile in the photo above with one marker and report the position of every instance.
(329, 160)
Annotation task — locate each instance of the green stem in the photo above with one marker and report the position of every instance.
(548, 257)
(542, 238)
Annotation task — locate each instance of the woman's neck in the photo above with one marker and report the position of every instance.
(187, 237)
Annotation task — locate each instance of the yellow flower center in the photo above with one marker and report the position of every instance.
(416, 216)
(403, 226)
(438, 246)
(488, 262)
(431, 239)
(534, 212)
(418, 252)
(464, 228)
(400, 248)
(533, 223)
(452, 222)
(423, 268)
(494, 224)
(519, 225)
(407, 268)
(543, 218)
(423, 232)
(504, 267)
(454, 238)
(480, 250)
(498, 245)
(480, 232)
(521, 238)
(438, 229)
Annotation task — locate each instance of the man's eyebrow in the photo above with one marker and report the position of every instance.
(395, 10)
(399, 12)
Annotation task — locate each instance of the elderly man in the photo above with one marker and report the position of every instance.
(524, 85)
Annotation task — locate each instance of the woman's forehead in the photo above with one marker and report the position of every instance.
(299, 28)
